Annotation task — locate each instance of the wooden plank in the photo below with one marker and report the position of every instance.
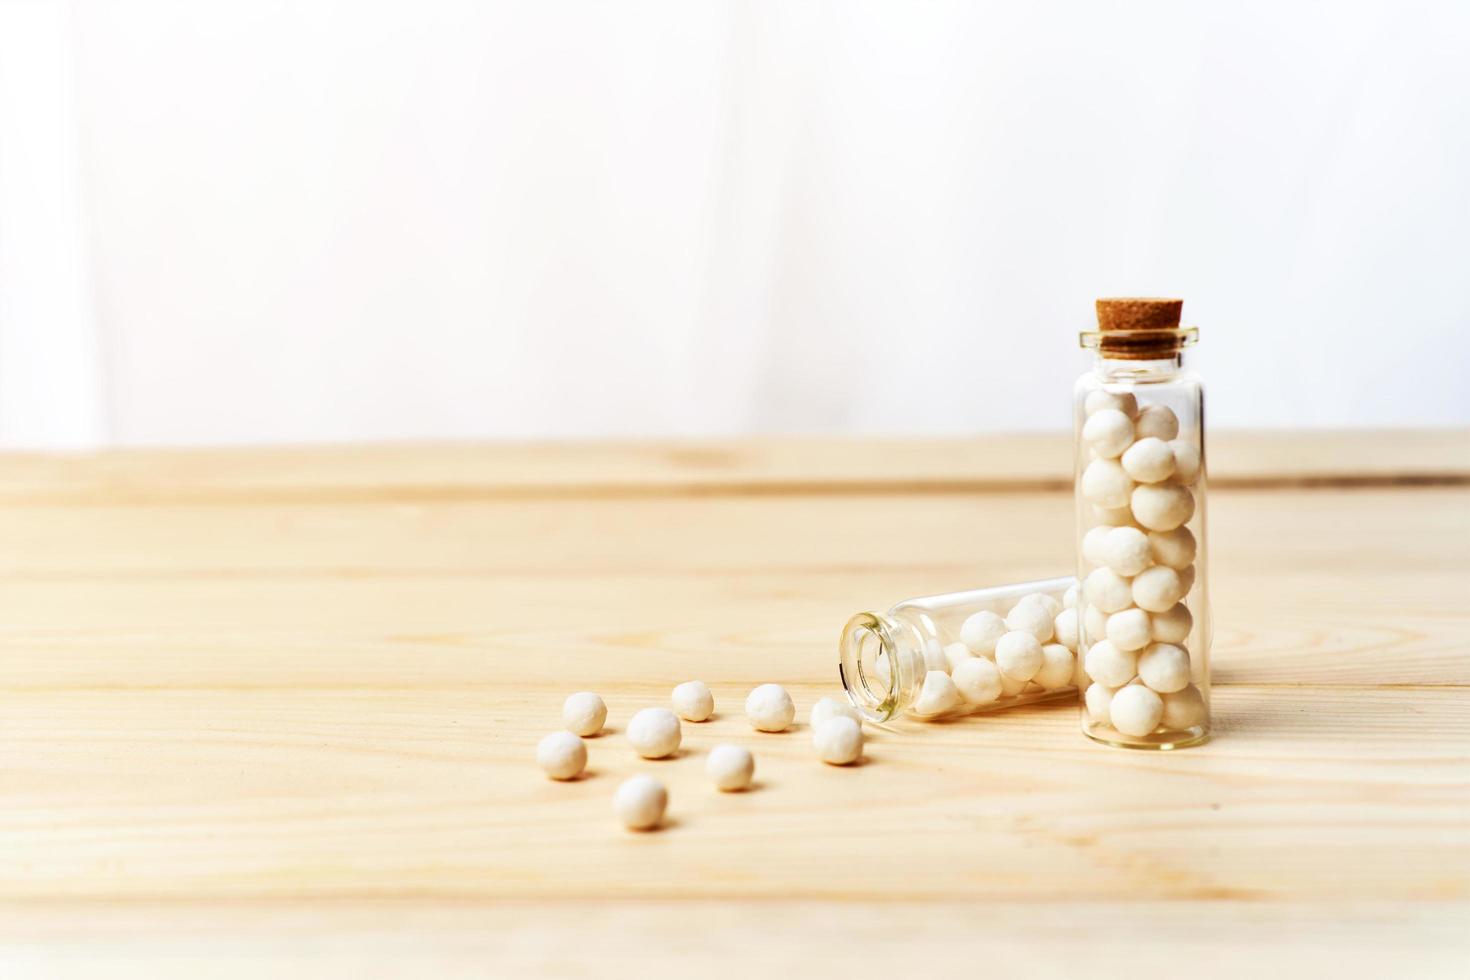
(458, 471)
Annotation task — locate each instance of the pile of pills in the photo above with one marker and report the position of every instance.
(1138, 554)
(657, 733)
(1026, 649)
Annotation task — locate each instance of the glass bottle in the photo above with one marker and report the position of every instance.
(946, 655)
(1140, 464)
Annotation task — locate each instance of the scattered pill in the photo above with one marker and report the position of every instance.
(832, 708)
(1186, 461)
(1183, 709)
(1162, 506)
(583, 713)
(1106, 484)
(1164, 667)
(1057, 667)
(1108, 431)
(1033, 618)
(730, 767)
(1108, 665)
(1174, 548)
(1126, 550)
(1148, 460)
(655, 733)
(1158, 422)
(978, 680)
(1130, 629)
(1157, 589)
(562, 755)
(839, 741)
(1135, 710)
(937, 696)
(980, 631)
(1107, 590)
(1173, 624)
(1099, 700)
(1122, 401)
(1064, 628)
(1018, 655)
(693, 701)
(769, 708)
(640, 802)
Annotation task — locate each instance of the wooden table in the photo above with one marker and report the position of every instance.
(272, 713)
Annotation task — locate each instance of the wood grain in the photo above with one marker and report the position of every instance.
(264, 715)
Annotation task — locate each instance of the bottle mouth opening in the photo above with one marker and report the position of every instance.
(871, 670)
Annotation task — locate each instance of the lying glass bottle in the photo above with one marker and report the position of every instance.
(947, 655)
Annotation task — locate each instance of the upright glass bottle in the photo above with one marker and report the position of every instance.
(1144, 636)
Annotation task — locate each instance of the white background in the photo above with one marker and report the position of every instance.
(265, 221)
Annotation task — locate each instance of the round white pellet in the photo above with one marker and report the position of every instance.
(730, 767)
(769, 708)
(1130, 629)
(1173, 548)
(1186, 460)
(1162, 506)
(1157, 589)
(1106, 485)
(934, 658)
(1096, 622)
(1099, 699)
(1107, 590)
(1184, 709)
(1070, 597)
(693, 701)
(655, 733)
(1049, 603)
(562, 755)
(1122, 401)
(978, 680)
(1030, 617)
(839, 741)
(1186, 579)
(640, 802)
(1126, 551)
(937, 696)
(1108, 432)
(583, 713)
(1057, 667)
(1108, 665)
(1018, 655)
(1158, 422)
(981, 630)
(1093, 542)
(832, 708)
(1173, 624)
(1112, 516)
(1164, 667)
(954, 655)
(1135, 710)
(1064, 628)
(1148, 460)
(1010, 687)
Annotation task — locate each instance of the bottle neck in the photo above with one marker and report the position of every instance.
(882, 664)
(1112, 369)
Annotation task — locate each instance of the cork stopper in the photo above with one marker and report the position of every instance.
(1140, 328)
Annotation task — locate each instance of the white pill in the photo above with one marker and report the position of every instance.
(937, 696)
(832, 708)
(562, 755)
(1049, 603)
(1106, 485)
(1164, 667)
(1064, 628)
(1108, 432)
(1157, 589)
(882, 672)
(693, 701)
(1130, 629)
(1010, 687)
(1030, 617)
(1126, 550)
(655, 733)
(1112, 516)
(1107, 590)
(1070, 597)
(1057, 667)
(1122, 401)
(839, 741)
(1186, 579)
(981, 630)
(978, 680)
(1183, 709)
(1096, 622)
(1093, 542)
(769, 708)
(1108, 665)
(1018, 655)
(1158, 422)
(1162, 506)
(1173, 624)
(954, 655)
(1173, 548)
(934, 658)
(640, 802)
(730, 767)
(1099, 700)
(1186, 461)
(1148, 460)
(583, 713)
(1135, 710)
